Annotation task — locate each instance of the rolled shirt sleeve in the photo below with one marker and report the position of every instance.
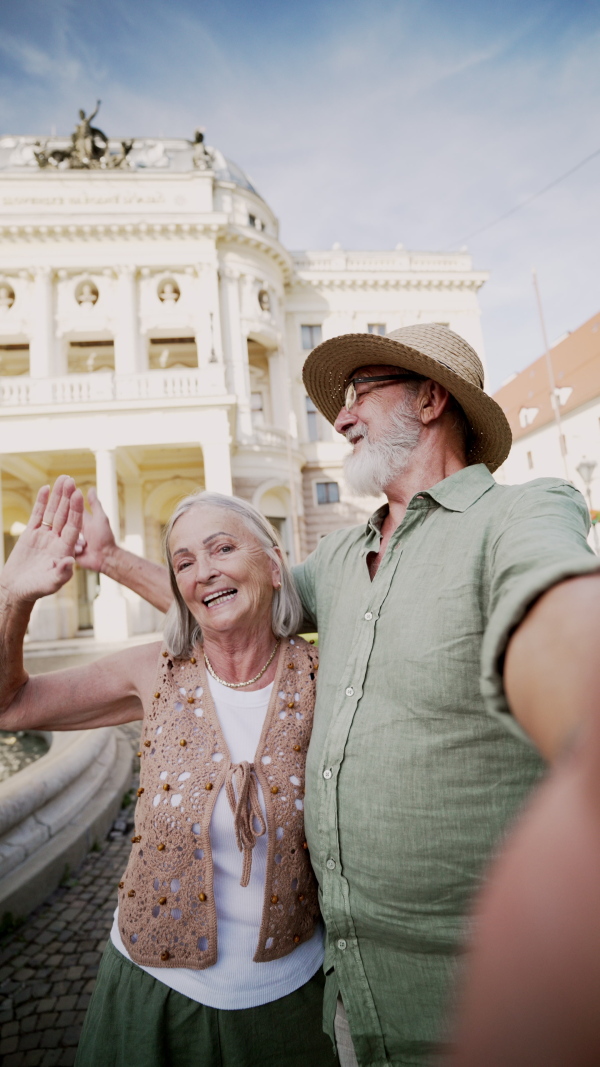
(541, 541)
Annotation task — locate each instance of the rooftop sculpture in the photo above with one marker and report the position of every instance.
(89, 148)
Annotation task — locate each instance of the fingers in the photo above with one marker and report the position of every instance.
(73, 524)
(62, 511)
(64, 569)
(54, 502)
(37, 514)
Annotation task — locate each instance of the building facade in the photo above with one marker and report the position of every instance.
(565, 383)
(152, 334)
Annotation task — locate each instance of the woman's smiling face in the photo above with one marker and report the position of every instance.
(223, 573)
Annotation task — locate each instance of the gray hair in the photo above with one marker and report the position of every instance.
(182, 632)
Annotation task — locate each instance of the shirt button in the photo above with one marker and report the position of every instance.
(368, 615)
(327, 774)
(342, 944)
(350, 691)
(330, 865)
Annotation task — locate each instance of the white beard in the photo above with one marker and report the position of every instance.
(370, 470)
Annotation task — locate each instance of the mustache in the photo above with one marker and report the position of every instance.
(355, 433)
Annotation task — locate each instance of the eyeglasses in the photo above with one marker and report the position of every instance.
(351, 396)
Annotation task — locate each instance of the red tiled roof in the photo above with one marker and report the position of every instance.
(576, 364)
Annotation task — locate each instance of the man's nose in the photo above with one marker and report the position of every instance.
(344, 421)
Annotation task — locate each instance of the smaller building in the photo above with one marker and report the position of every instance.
(541, 447)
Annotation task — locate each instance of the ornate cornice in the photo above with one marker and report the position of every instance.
(259, 241)
(409, 280)
(107, 231)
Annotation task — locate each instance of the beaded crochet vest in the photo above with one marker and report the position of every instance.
(167, 913)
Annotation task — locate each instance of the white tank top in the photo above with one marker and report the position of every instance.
(235, 981)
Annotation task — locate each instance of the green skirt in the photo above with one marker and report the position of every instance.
(134, 1020)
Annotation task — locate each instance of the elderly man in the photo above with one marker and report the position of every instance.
(434, 679)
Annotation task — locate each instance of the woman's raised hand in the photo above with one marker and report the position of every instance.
(43, 558)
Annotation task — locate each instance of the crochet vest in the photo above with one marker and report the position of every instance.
(167, 912)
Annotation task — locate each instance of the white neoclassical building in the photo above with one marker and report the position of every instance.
(152, 334)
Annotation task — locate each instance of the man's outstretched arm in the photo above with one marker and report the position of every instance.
(98, 551)
(552, 667)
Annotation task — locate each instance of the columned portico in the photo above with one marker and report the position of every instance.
(216, 452)
(110, 608)
(127, 346)
(236, 348)
(42, 343)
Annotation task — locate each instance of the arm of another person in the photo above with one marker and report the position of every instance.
(108, 692)
(540, 658)
(97, 550)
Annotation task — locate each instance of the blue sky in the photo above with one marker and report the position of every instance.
(367, 123)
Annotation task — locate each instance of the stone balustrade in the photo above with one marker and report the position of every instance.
(104, 388)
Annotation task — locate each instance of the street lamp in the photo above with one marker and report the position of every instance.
(585, 470)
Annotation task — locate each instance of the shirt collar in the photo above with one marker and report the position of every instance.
(455, 493)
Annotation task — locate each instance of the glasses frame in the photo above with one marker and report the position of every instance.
(351, 396)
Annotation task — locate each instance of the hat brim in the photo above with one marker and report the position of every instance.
(331, 364)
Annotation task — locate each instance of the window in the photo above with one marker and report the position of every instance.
(530, 461)
(257, 408)
(377, 327)
(328, 492)
(311, 336)
(254, 221)
(311, 420)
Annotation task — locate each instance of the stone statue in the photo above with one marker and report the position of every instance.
(201, 157)
(264, 300)
(90, 145)
(120, 159)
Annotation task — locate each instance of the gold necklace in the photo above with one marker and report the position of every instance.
(239, 685)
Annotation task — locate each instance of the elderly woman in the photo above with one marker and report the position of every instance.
(216, 949)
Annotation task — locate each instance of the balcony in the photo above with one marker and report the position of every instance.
(103, 390)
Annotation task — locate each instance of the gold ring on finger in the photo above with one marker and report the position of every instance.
(46, 524)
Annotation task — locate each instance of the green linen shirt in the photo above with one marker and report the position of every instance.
(416, 767)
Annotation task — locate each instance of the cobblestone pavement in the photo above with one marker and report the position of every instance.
(48, 965)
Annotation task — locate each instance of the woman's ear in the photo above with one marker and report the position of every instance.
(276, 568)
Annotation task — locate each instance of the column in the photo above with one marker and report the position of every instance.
(42, 341)
(1, 525)
(236, 348)
(110, 607)
(143, 618)
(127, 339)
(217, 456)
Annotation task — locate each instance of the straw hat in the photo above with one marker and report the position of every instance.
(429, 349)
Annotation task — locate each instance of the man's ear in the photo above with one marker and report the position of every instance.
(433, 401)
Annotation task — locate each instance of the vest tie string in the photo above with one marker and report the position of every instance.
(246, 810)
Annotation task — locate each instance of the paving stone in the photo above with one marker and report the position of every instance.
(27, 1041)
(66, 1003)
(67, 1018)
(51, 1038)
(83, 1000)
(46, 1020)
(9, 1044)
(73, 973)
(15, 1059)
(46, 1005)
(25, 1009)
(7, 1015)
(71, 1036)
(28, 1024)
(9, 1029)
(54, 1057)
(33, 1059)
(59, 989)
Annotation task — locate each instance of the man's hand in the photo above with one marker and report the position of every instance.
(96, 544)
(43, 558)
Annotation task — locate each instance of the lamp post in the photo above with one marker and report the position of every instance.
(585, 470)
